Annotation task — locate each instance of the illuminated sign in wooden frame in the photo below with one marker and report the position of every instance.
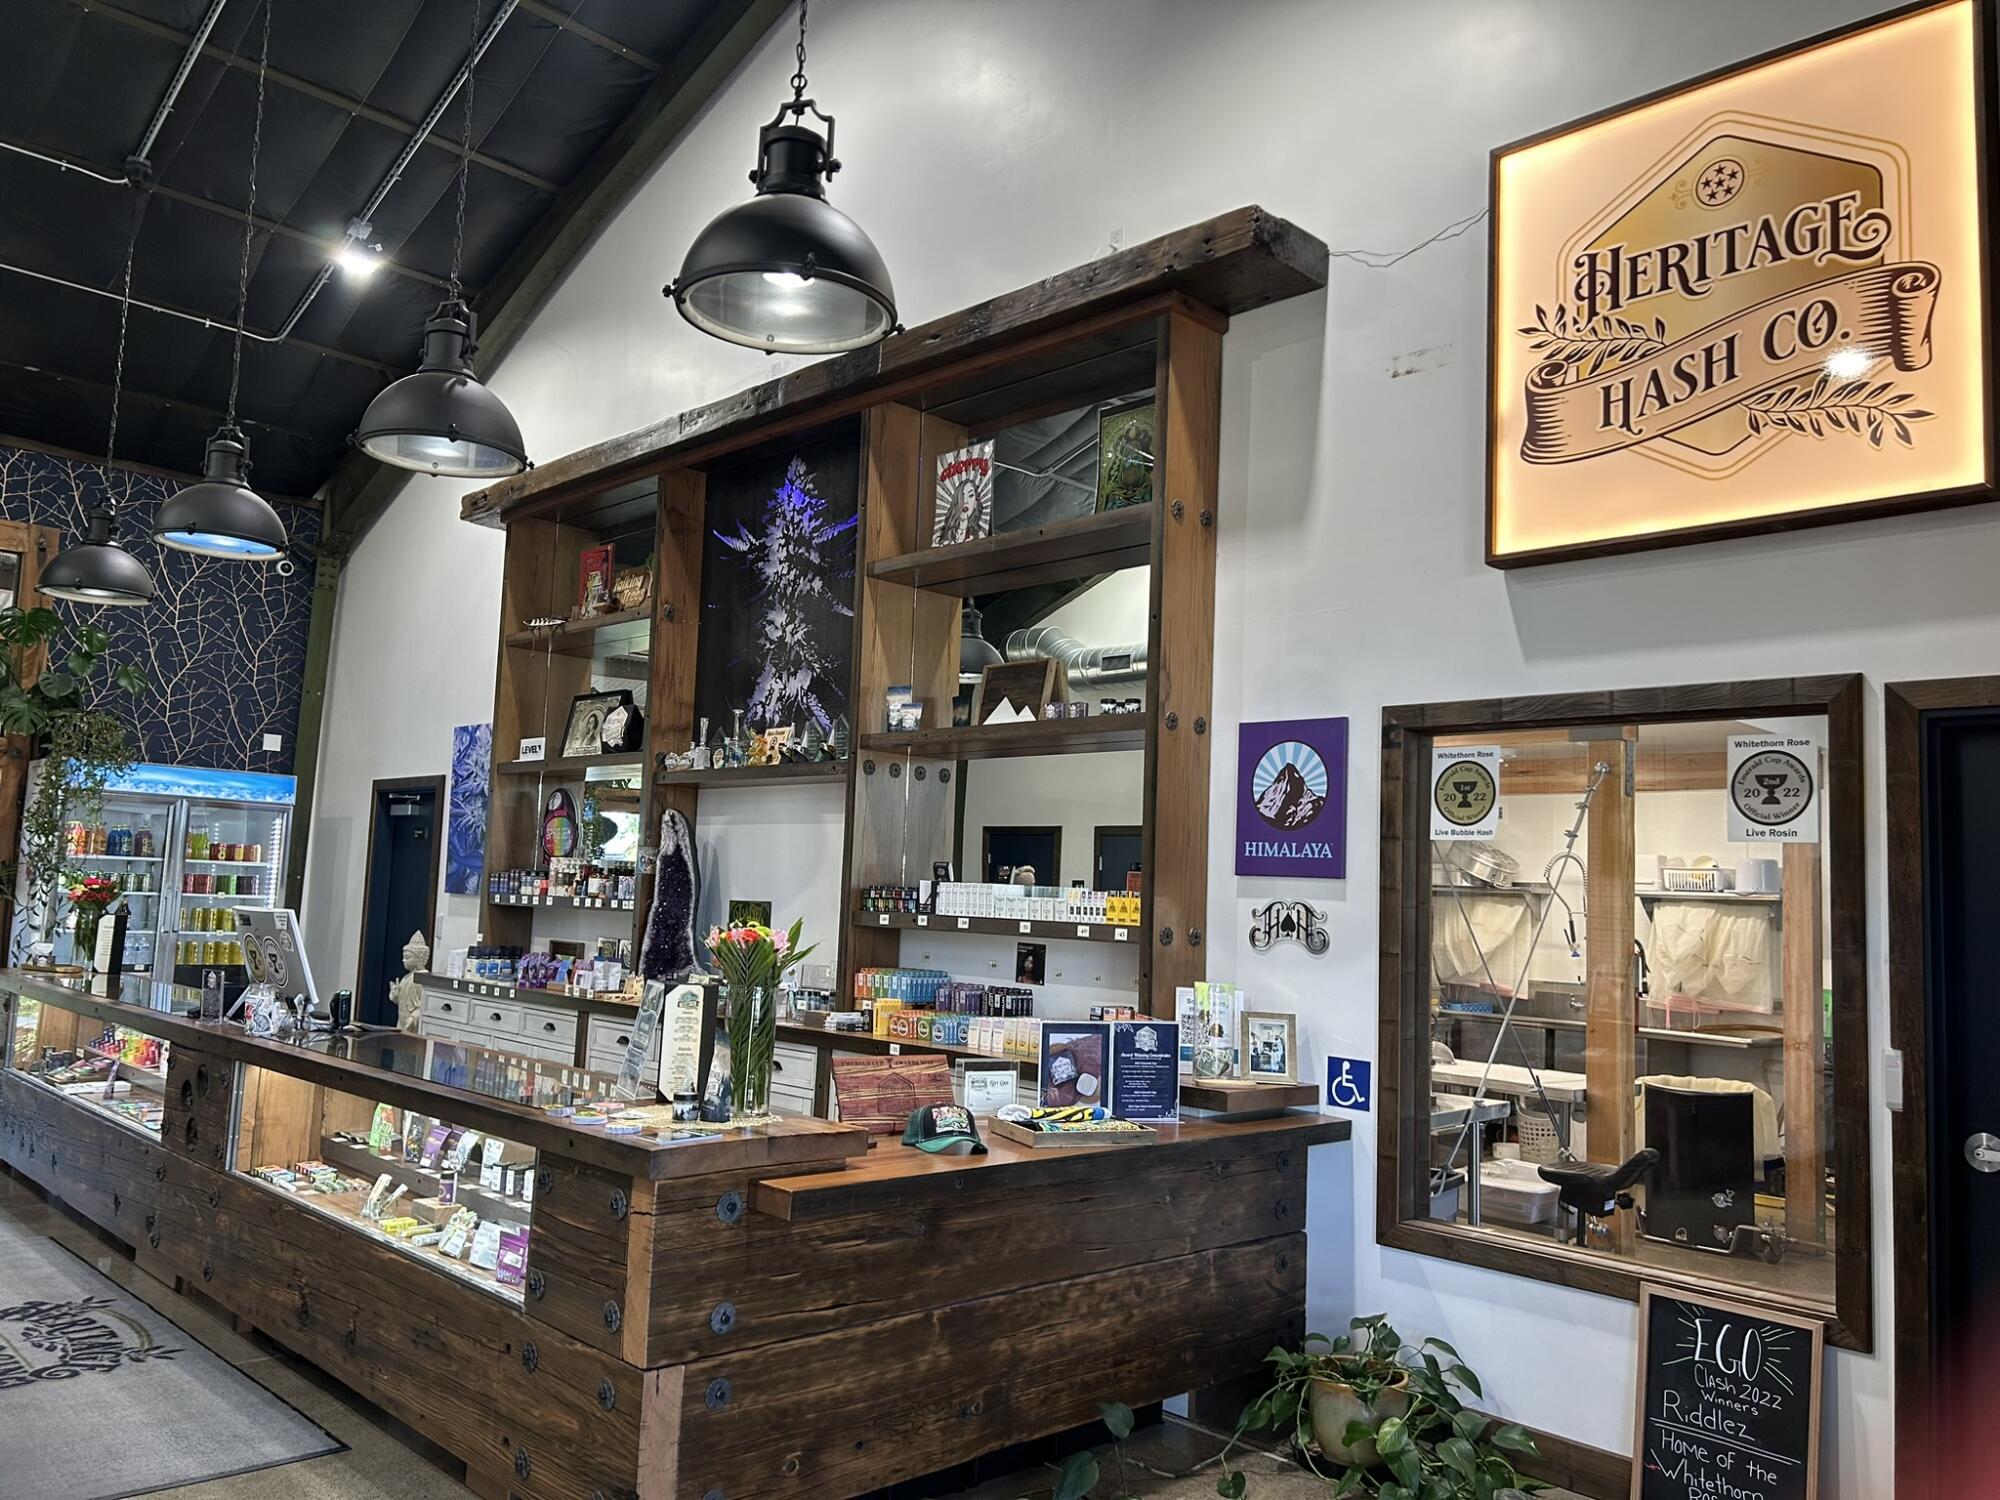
(1757, 301)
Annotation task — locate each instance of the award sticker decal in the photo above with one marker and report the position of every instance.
(1465, 792)
(1773, 788)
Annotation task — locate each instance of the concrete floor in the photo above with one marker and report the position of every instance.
(388, 1461)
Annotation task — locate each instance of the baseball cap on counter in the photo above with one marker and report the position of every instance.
(940, 1128)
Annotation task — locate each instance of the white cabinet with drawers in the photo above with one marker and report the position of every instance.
(606, 1041)
(544, 1031)
(794, 1076)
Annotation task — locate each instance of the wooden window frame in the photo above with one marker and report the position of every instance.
(1403, 1062)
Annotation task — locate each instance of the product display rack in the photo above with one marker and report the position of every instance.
(1146, 324)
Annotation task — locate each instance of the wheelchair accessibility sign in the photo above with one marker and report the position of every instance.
(1347, 1082)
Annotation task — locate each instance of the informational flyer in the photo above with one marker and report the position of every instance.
(1145, 1070)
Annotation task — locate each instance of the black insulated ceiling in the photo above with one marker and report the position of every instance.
(349, 83)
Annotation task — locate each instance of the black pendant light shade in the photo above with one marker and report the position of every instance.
(97, 570)
(788, 272)
(221, 516)
(441, 420)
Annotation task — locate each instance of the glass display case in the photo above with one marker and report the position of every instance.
(416, 1178)
(109, 1068)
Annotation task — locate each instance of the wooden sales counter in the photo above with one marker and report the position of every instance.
(773, 1311)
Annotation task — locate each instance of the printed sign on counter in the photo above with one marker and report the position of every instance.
(1729, 1401)
(1773, 788)
(1145, 1071)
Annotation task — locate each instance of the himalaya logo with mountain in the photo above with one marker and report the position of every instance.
(1746, 298)
(1290, 788)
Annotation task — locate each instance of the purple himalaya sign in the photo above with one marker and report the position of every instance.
(1291, 798)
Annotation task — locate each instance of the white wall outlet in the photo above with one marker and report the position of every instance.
(274, 742)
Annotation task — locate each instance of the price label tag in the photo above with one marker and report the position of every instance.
(882, 920)
(964, 924)
(1118, 934)
(1027, 927)
(895, 1049)
(923, 921)
(1083, 929)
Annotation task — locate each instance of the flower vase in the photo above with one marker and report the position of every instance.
(88, 919)
(753, 1040)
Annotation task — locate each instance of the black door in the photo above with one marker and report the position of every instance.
(1962, 968)
(1005, 848)
(402, 875)
(1117, 855)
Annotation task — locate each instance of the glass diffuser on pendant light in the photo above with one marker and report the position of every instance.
(788, 272)
(442, 420)
(220, 515)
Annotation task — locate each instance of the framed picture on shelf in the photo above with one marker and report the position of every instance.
(963, 511)
(1075, 1057)
(1025, 687)
(596, 569)
(743, 913)
(583, 734)
(1125, 454)
(1269, 1042)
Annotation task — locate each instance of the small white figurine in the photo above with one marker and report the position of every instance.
(407, 994)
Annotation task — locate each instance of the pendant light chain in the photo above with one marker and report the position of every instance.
(464, 156)
(118, 367)
(249, 223)
(799, 78)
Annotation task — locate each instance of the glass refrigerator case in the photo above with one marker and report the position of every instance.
(187, 846)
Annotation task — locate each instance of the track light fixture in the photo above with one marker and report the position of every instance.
(788, 272)
(220, 515)
(441, 420)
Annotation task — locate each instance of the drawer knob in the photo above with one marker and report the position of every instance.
(548, 1026)
(624, 1041)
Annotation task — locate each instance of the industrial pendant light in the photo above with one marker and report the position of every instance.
(98, 570)
(441, 420)
(221, 516)
(788, 272)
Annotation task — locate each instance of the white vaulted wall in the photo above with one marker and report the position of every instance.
(991, 142)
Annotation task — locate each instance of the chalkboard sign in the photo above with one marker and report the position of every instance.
(1729, 1401)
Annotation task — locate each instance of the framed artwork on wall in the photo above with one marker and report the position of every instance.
(1752, 302)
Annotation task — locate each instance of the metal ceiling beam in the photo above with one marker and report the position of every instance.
(167, 309)
(208, 414)
(343, 102)
(545, 12)
(361, 488)
(77, 164)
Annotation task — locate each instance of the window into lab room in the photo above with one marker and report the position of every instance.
(1625, 1054)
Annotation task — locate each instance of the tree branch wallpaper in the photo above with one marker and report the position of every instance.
(224, 644)
(778, 588)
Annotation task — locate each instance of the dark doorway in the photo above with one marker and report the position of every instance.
(1116, 853)
(1001, 849)
(1944, 886)
(403, 855)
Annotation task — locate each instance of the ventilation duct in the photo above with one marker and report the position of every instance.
(1086, 666)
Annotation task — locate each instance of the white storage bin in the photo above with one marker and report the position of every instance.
(1512, 1192)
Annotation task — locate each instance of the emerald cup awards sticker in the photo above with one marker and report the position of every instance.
(1773, 788)
(1465, 792)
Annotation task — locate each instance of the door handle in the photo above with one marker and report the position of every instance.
(1983, 1151)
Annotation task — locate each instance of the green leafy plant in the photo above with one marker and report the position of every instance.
(59, 707)
(1432, 1448)
(1081, 1472)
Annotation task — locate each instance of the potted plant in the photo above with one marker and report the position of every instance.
(1374, 1416)
(57, 710)
(753, 959)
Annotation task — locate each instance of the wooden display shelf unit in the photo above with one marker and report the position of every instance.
(1099, 732)
(1076, 932)
(570, 765)
(1075, 548)
(784, 774)
(1146, 323)
(624, 632)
